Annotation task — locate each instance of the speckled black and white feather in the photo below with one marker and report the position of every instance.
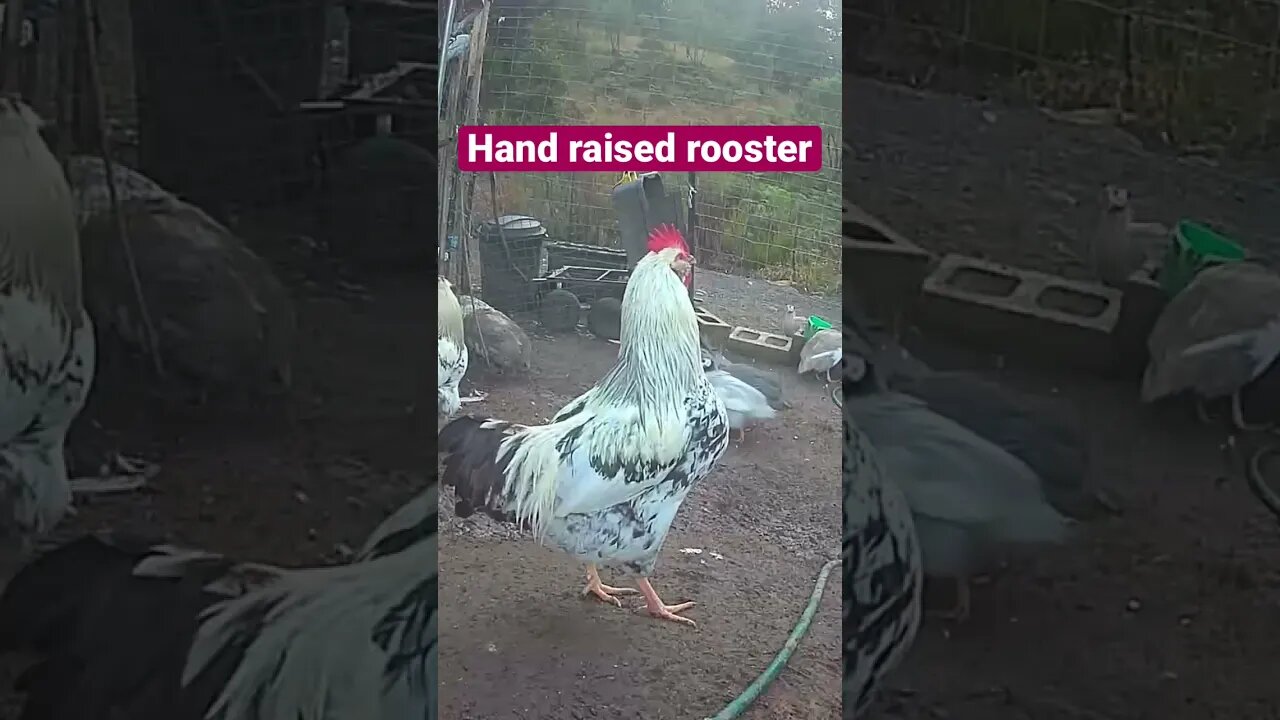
(46, 338)
(451, 349)
(882, 570)
(604, 478)
(131, 630)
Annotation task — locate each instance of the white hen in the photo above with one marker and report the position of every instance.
(46, 338)
(451, 349)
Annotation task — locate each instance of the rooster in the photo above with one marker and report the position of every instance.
(451, 349)
(603, 480)
(47, 351)
(123, 629)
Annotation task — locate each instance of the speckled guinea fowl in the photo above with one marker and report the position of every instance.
(1045, 433)
(882, 571)
(750, 395)
(1220, 338)
(971, 500)
(766, 381)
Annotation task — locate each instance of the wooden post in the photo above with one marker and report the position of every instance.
(471, 116)
(463, 74)
(448, 168)
(14, 14)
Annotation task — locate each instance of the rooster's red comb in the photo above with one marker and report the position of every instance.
(667, 236)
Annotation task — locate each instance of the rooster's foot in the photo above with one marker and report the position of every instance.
(108, 486)
(661, 610)
(120, 474)
(606, 593)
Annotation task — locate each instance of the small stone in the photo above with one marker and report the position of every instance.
(1133, 605)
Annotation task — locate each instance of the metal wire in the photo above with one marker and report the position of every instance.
(988, 127)
(712, 62)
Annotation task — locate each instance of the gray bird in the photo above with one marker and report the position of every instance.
(970, 499)
(767, 382)
(749, 394)
(1045, 433)
(494, 337)
(821, 353)
(1218, 338)
(743, 404)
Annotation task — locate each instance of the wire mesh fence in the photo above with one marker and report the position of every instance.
(708, 62)
(991, 127)
(257, 151)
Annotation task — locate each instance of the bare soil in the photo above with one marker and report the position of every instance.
(1170, 609)
(303, 481)
(518, 641)
(296, 483)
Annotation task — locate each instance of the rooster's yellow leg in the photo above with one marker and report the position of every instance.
(742, 434)
(661, 610)
(602, 591)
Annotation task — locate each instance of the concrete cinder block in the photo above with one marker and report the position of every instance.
(712, 327)
(881, 267)
(797, 344)
(1009, 310)
(1143, 302)
(761, 345)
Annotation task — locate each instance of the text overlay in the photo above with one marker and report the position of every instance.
(639, 148)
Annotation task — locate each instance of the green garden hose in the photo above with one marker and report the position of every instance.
(1258, 481)
(757, 687)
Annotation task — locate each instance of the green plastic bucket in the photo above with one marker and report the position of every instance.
(1193, 248)
(815, 324)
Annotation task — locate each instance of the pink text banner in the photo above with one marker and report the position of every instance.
(640, 148)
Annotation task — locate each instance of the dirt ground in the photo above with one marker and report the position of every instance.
(293, 484)
(1169, 609)
(303, 481)
(518, 641)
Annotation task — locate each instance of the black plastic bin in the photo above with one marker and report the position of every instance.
(642, 205)
(509, 260)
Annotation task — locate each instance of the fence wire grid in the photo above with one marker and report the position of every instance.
(990, 127)
(259, 150)
(627, 62)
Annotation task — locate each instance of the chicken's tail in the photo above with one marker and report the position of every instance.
(416, 520)
(77, 605)
(42, 612)
(505, 470)
(43, 603)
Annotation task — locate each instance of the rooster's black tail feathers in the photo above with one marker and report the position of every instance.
(469, 446)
